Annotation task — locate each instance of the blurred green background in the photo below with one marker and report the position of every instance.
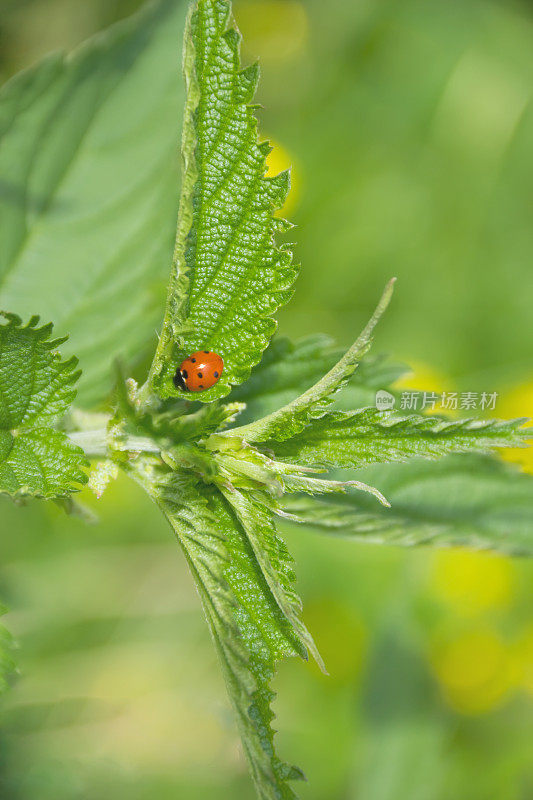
(410, 130)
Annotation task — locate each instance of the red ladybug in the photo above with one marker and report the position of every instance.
(199, 372)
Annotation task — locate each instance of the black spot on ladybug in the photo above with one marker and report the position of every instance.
(184, 374)
(201, 386)
(206, 352)
(200, 375)
(193, 360)
(216, 374)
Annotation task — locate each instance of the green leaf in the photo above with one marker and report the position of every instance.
(228, 275)
(36, 389)
(369, 436)
(88, 200)
(467, 500)
(250, 630)
(274, 560)
(313, 486)
(286, 367)
(312, 404)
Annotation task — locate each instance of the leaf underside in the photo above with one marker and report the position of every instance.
(36, 389)
(88, 173)
(461, 501)
(228, 276)
(250, 631)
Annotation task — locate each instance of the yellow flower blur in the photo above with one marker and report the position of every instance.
(278, 161)
(518, 403)
(276, 31)
(471, 583)
(523, 660)
(475, 671)
(423, 378)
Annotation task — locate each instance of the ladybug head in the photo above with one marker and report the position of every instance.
(179, 381)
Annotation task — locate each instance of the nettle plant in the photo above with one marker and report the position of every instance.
(225, 464)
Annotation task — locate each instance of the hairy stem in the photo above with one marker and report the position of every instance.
(95, 443)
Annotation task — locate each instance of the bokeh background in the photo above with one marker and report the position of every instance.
(409, 127)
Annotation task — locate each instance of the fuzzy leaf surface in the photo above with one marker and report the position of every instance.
(355, 439)
(465, 500)
(250, 631)
(292, 418)
(228, 276)
(36, 389)
(88, 200)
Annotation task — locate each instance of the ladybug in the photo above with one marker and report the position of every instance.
(199, 372)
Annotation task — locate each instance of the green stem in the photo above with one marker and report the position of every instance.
(95, 443)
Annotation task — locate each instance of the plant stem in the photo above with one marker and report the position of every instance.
(95, 443)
